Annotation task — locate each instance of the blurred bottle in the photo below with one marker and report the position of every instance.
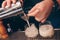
(9, 29)
(3, 33)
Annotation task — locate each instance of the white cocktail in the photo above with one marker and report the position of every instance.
(31, 31)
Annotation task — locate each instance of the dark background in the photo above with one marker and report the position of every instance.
(17, 23)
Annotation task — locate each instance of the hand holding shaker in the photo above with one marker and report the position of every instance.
(14, 10)
(6, 12)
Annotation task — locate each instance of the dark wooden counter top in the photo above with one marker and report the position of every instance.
(21, 36)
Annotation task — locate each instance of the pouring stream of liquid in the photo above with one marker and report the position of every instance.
(25, 17)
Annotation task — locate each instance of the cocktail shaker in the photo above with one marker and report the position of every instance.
(14, 10)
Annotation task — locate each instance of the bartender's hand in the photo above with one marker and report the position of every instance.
(9, 2)
(58, 2)
(41, 10)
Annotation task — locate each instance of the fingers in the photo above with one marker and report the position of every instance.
(39, 18)
(42, 21)
(21, 1)
(14, 1)
(33, 9)
(33, 13)
(4, 4)
(37, 8)
(8, 3)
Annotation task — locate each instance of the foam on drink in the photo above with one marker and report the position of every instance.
(31, 31)
(46, 31)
